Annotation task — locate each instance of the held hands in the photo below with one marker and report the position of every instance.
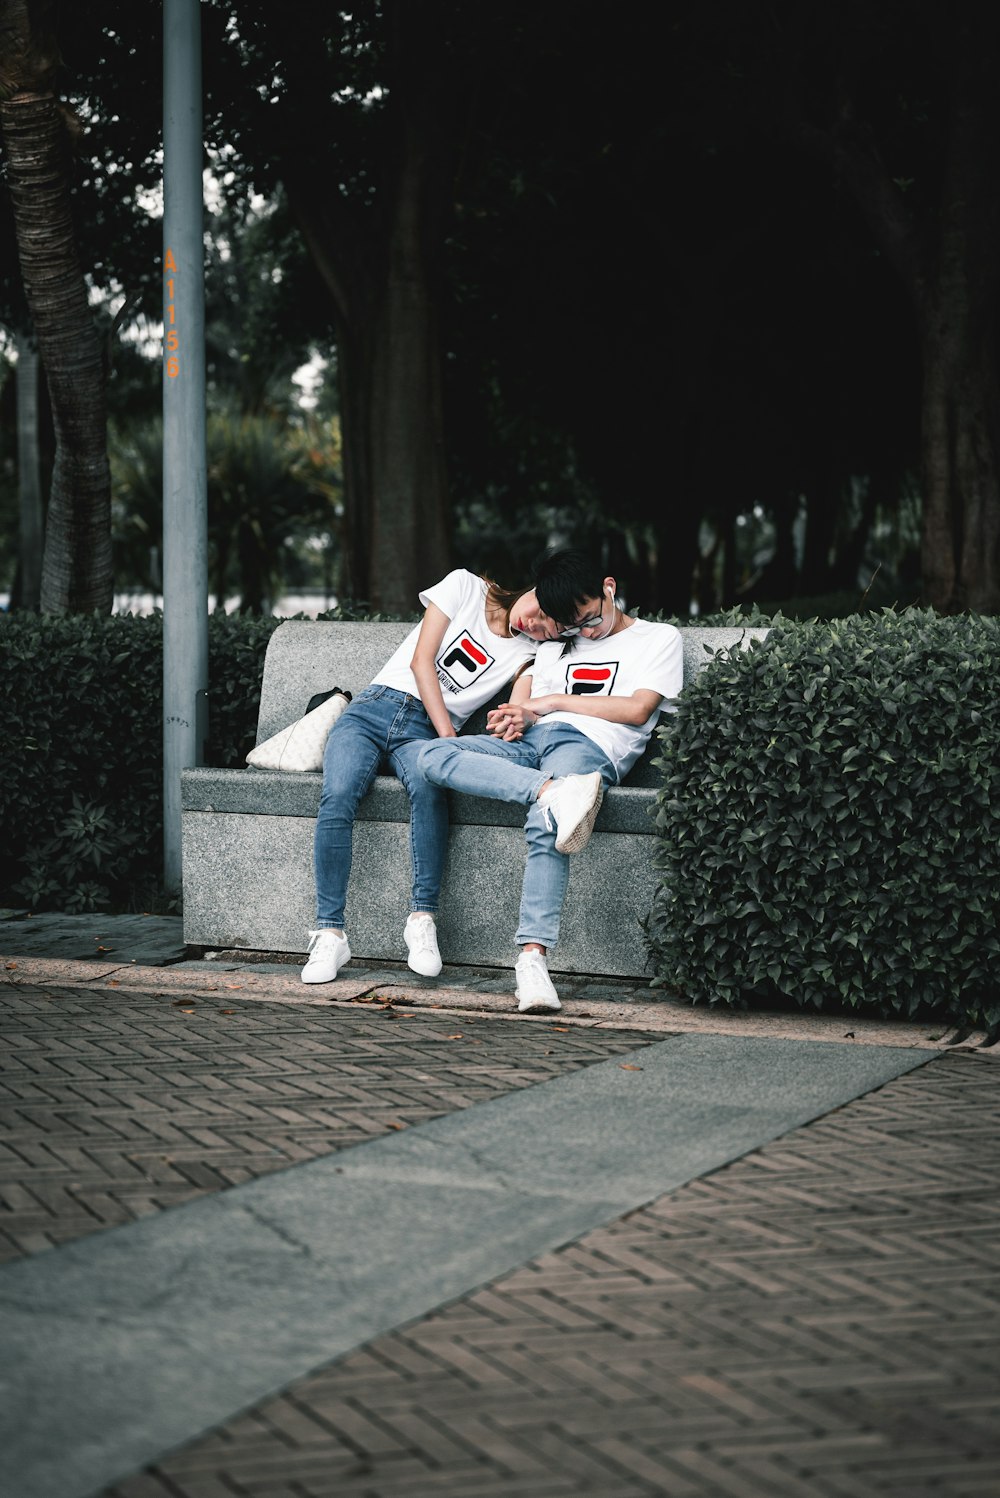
(510, 719)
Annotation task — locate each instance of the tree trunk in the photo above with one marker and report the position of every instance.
(396, 504)
(29, 477)
(382, 269)
(353, 390)
(779, 579)
(822, 504)
(676, 545)
(952, 272)
(409, 515)
(960, 549)
(77, 570)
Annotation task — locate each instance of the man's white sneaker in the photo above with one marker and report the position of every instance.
(420, 935)
(328, 952)
(574, 801)
(535, 993)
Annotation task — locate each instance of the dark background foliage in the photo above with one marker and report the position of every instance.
(664, 318)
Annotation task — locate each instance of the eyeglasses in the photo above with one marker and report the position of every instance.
(591, 622)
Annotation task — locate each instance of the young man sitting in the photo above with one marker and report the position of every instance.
(593, 700)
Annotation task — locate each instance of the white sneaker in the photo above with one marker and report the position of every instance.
(535, 993)
(328, 952)
(420, 935)
(574, 801)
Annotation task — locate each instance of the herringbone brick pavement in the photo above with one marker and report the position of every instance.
(115, 1106)
(816, 1320)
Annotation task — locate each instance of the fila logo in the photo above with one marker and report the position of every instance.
(464, 660)
(591, 681)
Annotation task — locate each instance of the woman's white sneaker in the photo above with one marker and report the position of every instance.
(420, 935)
(328, 952)
(535, 993)
(573, 801)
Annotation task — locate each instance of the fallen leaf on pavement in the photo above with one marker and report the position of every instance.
(626, 1067)
(183, 1003)
(11, 966)
(561, 1029)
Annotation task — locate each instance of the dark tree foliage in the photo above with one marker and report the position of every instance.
(620, 276)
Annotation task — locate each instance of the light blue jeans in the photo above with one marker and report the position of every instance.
(381, 724)
(484, 766)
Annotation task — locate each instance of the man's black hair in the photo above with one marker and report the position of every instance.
(565, 581)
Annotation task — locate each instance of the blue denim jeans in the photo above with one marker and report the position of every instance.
(481, 765)
(381, 724)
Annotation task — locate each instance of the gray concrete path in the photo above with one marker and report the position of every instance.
(627, 1207)
(145, 1336)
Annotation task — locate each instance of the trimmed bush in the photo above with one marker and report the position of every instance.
(829, 821)
(81, 733)
(81, 817)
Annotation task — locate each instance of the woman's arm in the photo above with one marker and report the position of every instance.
(432, 628)
(521, 690)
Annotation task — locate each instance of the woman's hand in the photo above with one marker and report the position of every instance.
(432, 628)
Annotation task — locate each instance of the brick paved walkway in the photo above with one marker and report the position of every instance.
(114, 1106)
(817, 1320)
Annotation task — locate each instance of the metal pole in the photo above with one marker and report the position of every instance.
(185, 531)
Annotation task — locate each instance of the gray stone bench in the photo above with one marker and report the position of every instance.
(248, 836)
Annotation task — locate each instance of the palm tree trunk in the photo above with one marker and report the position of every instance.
(76, 571)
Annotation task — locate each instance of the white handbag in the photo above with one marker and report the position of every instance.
(300, 746)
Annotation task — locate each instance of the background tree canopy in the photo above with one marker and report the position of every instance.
(710, 283)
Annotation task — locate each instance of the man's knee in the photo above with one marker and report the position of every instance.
(433, 757)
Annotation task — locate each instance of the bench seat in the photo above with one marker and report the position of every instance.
(247, 836)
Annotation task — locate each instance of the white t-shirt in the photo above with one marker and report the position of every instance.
(644, 656)
(472, 662)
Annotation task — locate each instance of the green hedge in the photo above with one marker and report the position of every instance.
(82, 733)
(81, 730)
(829, 821)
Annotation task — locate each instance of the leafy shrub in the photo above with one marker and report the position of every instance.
(81, 716)
(81, 814)
(829, 821)
(237, 644)
(81, 733)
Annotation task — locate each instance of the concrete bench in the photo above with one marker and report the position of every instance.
(248, 836)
